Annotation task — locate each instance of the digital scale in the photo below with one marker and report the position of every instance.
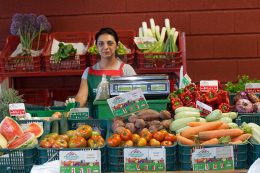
(152, 85)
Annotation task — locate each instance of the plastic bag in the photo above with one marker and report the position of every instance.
(102, 89)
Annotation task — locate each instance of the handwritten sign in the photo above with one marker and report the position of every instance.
(208, 85)
(17, 109)
(205, 109)
(252, 87)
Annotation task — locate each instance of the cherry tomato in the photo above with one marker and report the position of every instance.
(125, 134)
(114, 140)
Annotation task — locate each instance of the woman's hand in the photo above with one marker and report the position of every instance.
(70, 100)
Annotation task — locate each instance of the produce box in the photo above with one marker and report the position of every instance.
(184, 155)
(10, 64)
(126, 37)
(77, 62)
(103, 111)
(50, 154)
(165, 61)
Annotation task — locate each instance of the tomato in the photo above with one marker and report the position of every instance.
(52, 135)
(60, 143)
(114, 140)
(146, 134)
(129, 143)
(142, 142)
(77, 142)
(84, 130)
(96, 141)
(154, 142)
(125, 134)
(135, 138)
(165, 132)
(65, 137)
(71, 133)
(47, 143)
(159, 136)
(166, 143)
(170, 137)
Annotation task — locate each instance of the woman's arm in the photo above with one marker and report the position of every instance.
(82, 95)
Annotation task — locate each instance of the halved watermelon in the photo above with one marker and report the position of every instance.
(35, 128)
(27, 140)
(10, 129)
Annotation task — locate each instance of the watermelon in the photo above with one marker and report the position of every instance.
(27, 140)
(10, 129)
(35, 128)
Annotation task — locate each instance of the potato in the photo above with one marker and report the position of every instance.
(132, 118)
(131, 127)
(118, 130)
(119, 123)
(165, 115)
(140, 123)
(148, 115)
(166, 123)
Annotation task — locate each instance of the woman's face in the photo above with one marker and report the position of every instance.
(106, 45)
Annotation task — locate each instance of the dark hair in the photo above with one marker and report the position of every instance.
(109, 31)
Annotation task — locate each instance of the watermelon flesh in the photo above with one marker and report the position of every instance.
(36, 129)
(27, 140)
(10, 129)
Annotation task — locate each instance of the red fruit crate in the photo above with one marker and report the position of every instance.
(21, 63)
(127, 38)
(77, 62)
(36, 96)
(163, 62)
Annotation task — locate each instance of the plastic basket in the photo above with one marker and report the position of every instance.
(248, 119)
(185, 151)
(103, 111)
(127, 38)
(72, 63)
(50, 154)
(21, 63)
(36, 96)
(162, 62)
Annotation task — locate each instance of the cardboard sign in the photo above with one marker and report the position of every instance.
(128, 103)
(208, 85)
(252, 87)
(88, 161)
(144, 159)
(144, 42)
(186, 80)
(215, 158)
(205, 109)
(17, 109)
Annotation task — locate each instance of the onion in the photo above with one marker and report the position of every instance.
(257, 107)
(240, 95)
(244, 106)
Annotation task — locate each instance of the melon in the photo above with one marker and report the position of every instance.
(35, 128)
(10, 129)
(27, 140)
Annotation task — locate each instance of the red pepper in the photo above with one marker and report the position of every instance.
(176, 102)
(224, 107)
(212, 98)
(224, 96)
(197, 95)
(191, 88)
(186, 97)
(191, 104)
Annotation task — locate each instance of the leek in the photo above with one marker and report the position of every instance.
(145, 32)
(152, 23)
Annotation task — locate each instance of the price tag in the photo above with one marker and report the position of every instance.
(144, 159)
(186, 80)
(215, 158)
(209, 85)
(17, 109)
(252, 87)
(144, 42)
(79, 113)
(127, 103)
(80, 161)
(205, 109)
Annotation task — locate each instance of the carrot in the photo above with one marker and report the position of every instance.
(236, 142)
(195, 123)
(212, 141)
(224, 126)
(188, 133)
(242, 137)
(184, 141)
(206, 135)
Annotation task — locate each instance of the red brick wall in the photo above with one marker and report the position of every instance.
(222, 35)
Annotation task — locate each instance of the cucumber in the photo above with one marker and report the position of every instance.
(214, 115)
(180, 123)
(201, 119)
(64, 126)
(226, 120)
(182, 129)
(232, 115)
(55, 127)
(185, 108)
(186, 114)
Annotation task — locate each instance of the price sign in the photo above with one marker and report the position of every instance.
(209, 85)
(79, 113)
(17, 109)
(215, 158)
(186, 80)
(144, 159)
(205, 109)
(252, 87)
(144, 42)
(82, 161)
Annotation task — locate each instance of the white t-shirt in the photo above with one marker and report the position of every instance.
(127, 69)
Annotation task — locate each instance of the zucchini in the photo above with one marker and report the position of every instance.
(233, 125)
(201, 119)
(214, 115)
(185, 108)
(64, 126)
(55, 127)
(232, 115)
(180, 123)
(186, 114)
(226, 120)
(182, 129)
(255, 132)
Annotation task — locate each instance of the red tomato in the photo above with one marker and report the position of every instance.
(77, 142)
(146, 134)
(170, 137)
(60, 143)
(166, 143)
(114, 140)
(125, 134)
(159, 136)
(47, 143)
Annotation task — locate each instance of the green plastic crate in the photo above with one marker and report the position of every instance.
(17, 160)
(103, 111)
(184, 155)
(50, 154)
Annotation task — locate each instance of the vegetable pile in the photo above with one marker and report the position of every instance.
(64, 52)
(246, 102)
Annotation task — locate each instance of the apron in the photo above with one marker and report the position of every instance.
(94, 78)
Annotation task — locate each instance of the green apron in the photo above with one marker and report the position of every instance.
(94, 78)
